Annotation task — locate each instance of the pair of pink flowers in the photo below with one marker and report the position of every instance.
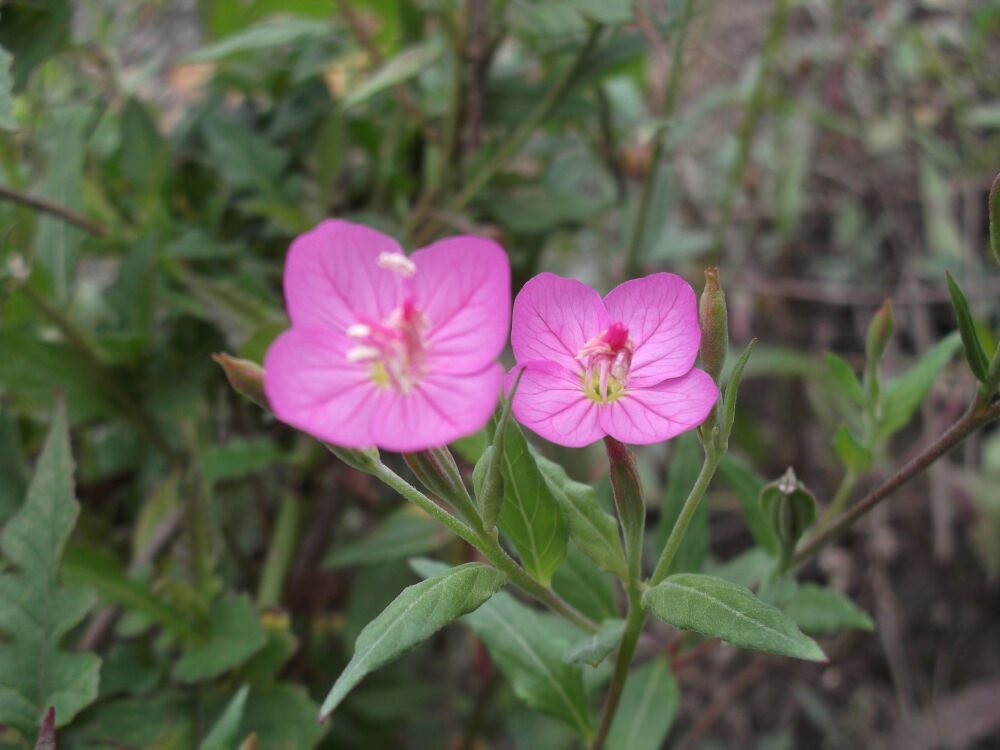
(400, 352)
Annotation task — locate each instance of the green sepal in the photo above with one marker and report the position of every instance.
(974, 353)
(437, 471)
(732, 388)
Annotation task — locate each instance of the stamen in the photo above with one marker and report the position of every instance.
(362, 353)
(611, 353)
(397, 263)
(359, 331)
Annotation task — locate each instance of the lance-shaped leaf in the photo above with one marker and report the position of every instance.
(822, 610)
(844, 377)
(648, 707)
(974, 352)
(527, 647)
(530, 515)
(35, 613)
(594, 531)
(592, 649)
(415, 615)
(731, 612)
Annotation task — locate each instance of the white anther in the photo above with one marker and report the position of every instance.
(359, 331)
(397, 263)
(362, 353)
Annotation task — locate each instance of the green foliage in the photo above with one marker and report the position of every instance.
(592, 649)
(235, 634)
(35, 611)
(718, 608)
(530, 514)
(974, 353)
(649, 706)
(415, 615)
(821, 610)
(403, 533)
(7, 121)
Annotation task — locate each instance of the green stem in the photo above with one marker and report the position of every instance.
(775, 34)
(280, 552)
(632, 265)
(840, 498)
(634, 621)
(711, 463)
(509, 148)
(490, 548)
(979, 414)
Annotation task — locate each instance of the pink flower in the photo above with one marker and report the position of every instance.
(387, 350)
(621, 366)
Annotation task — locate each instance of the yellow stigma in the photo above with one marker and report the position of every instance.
(379, 375)
(592, 388)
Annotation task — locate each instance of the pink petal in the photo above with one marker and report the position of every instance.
(657, 413)
(462, 285)
(311, 385)
(332, 279)
(442, 408)
(553, 318)
(551, 402)
(661, 314)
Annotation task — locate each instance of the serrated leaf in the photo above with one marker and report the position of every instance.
(855, 456)
(405, 532)
(822, 610)
(730, 612)
(592, 649)
(974, 353)
(527, 647)
(904, 395)
(844, 377)
(647, 709)
(594, 531)
(224, 733)
(35, 612)
(415, 615)
(235, 635)
(530, 514)
(404, 64)
(747, 485)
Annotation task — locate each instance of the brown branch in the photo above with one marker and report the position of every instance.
(48, 207)
(977, 415)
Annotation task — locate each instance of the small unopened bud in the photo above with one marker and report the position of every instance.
(791, 510)
(879, 333)
(629, 501)
(437, 471)
(712, 317)
(246, 377)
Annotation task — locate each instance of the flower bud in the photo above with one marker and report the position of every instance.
(714, 325)
(437, 471)
(246, 377)
(791, 510)
(879, 333)
(628, 500)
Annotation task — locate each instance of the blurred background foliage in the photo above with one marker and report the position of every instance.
(156, 158)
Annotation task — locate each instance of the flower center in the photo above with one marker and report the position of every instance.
(606, 360)
(394, 349)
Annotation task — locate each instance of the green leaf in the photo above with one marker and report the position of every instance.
(647, 709)
(594, 531)
(994, 210)
(904, 395)
(682, 473)
(98, 567)
(416, 614)
(13, 467)
(225, 732)
(732, 391)
(728, 611)
(265, 36)
(246, 160)
(747, 485)
(844, 377)
(238, 458)
(405, 64)
(974, 353)
(7, 121)
(854, 455)
(821, 610)
(35, 613)
(530, 514)
(283, 717)
(592, 649)
(527, 647)
(405, 532)
(235, 634)
(579, 581)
